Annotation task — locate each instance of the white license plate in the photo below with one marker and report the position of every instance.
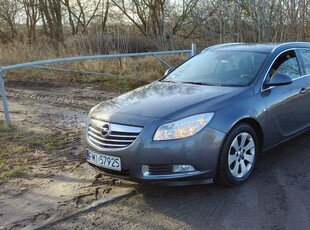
(104, 160)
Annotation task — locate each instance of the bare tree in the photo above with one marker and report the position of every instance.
(82, 13)
(162, 23)
(32, 17)
(146, 15)
(8, 13)
(160, 20)
(52, 19)
(105, 14)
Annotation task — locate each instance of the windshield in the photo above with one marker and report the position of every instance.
(219, 67)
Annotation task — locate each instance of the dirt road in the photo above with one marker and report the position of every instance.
(276, 197)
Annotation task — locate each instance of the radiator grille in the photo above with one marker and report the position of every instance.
(103, 135)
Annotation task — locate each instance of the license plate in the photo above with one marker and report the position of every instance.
(104, 160)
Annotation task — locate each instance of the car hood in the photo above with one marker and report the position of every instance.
(165, 100)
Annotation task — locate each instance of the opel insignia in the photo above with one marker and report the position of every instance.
(209, 118)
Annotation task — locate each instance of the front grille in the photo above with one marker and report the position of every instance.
(103, 135)
(160, 169)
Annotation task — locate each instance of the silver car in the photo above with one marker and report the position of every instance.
(209, 118)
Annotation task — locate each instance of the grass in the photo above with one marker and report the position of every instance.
(4, 127)
(2, 161)
(130, 72)
(18, 146)
(17, 140)
(16, 171)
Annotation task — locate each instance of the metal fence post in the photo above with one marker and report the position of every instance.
(4, 101)
(194, 50)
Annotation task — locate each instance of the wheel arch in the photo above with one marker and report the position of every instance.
(258, 129)
(220, 176)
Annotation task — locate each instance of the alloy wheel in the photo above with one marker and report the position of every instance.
(241, 155)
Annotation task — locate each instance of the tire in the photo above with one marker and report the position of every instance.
(238, 156)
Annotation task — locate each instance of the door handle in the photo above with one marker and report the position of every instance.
(303, 91)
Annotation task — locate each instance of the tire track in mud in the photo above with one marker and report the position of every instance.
(65, 108)
(63, 96)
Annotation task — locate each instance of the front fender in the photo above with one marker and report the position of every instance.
(252, 107)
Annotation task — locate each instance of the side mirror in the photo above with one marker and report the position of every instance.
(278, 79)
(168, 71)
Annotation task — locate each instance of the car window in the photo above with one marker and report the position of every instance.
(219, 67)
(286, 64)
(305, 55)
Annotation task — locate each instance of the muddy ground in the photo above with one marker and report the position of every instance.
(61, 192)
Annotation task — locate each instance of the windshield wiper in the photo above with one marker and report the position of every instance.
(191, 82)
(167, 81)
(199, 83)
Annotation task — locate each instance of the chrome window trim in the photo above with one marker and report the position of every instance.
(289, 49)
(289, 43)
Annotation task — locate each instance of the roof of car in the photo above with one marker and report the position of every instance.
(259, 47)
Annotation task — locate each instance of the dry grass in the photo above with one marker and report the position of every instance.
(18, 146)
(115, 74)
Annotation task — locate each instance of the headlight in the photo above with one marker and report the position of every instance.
(182, 128)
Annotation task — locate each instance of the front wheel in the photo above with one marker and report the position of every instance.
(238, 156)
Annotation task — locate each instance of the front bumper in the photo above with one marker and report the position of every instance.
(201, 151)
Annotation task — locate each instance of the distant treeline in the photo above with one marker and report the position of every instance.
(103, 26)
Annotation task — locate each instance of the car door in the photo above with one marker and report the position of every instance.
(288, 105)
(304, 57)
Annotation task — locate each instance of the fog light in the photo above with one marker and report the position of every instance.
(182, 168)
(145, 170)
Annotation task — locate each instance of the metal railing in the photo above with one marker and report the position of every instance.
(190, 53)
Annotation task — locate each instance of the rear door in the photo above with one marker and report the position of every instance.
(304, 60)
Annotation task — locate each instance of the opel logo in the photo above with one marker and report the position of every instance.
(105, 130)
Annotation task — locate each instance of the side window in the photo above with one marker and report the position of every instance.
(286, 64)
(305, 55)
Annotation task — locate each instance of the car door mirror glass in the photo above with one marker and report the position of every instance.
(278, 79)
